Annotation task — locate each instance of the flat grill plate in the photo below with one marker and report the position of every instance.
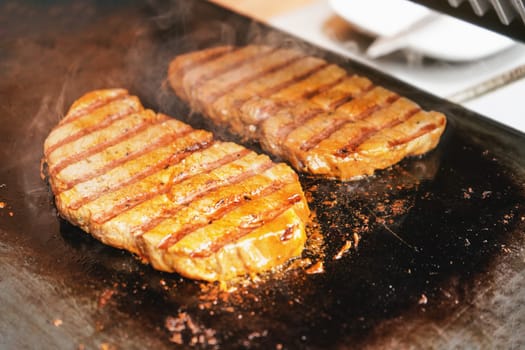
(436, 255)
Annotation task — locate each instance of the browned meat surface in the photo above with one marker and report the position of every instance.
(171, 194)
(311, 113)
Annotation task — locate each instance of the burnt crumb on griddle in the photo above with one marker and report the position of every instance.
(344, 249)
(107, 346)
(317, 267)
(185, 331)
(105, 296)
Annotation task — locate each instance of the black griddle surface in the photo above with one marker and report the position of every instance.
(439, 261)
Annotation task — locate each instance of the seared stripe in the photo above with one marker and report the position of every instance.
(285, 84)
(325, 76)
(225, 206)
(322, 88)
(285, 130)
(92, 107)
(239, 102)
(110, 119)
(269, 107)
(338, 123)
(102, 145)
(195, 62)
(258, 75)
(230, 67)
(160, 142)
(420, 132)
(339, 102)
(150, 170)
(246, 228)
(290, 127)
(214, 184)
(216, 70)
(129, 203)
(366, 133)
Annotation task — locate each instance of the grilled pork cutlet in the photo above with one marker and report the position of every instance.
(171, 194)
(314, 114)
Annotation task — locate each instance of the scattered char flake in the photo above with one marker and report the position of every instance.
(105, 297)
(316, 268)
(107, 346)
(185, 331)
(345, 248)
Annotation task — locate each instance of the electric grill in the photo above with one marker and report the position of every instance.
(437, 256)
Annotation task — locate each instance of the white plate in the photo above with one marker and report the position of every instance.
(401, 24)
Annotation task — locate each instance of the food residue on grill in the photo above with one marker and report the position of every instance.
(346, 246)
(467, 194)
(357, 238)
(105, 297)
(185, 331)
(317, 267)
(107, 346)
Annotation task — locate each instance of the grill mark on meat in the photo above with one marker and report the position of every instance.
(229, 67)
(290, 127)
(162, 164)
(338, 103)
(288, 233)
(129, 203)
(239, 102)
(90, 108)
(312, 85)
(145, 124)
(322, 135)
(214, 184)
(269, 109)
(223, 207)
(189, 65)
(90, 129)
(246, 228)
(337, 124)
(420, 132)
(162, 141)
(366, 133)
(258, 75)
(294, 80)
(322, 88)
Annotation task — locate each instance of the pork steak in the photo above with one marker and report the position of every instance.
(305, 110)
(171, 194)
